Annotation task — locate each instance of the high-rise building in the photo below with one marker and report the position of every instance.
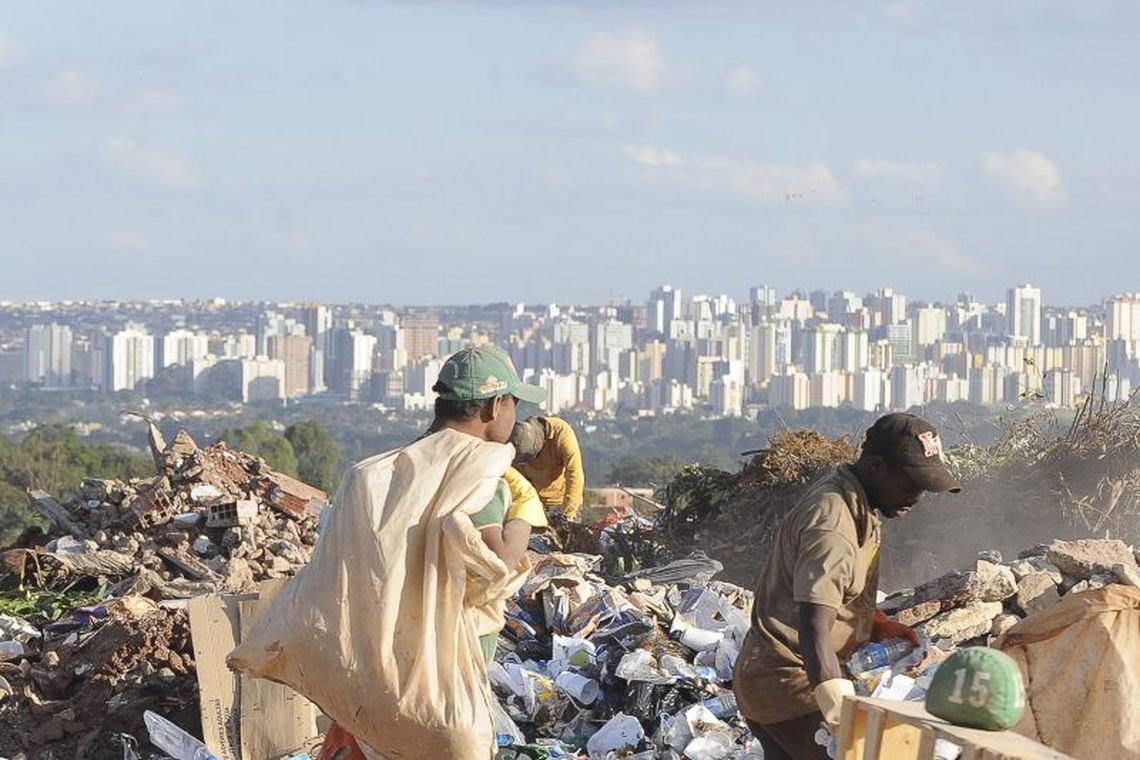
(664, 305)
(353, 351)
(128, 359)
(789, 390)
(1122, 317)
(47, 356)
(262, 379)
(318, 320)
(611, 338)
(821, 348)
(182, 346)
(1023, 313)
(421, 335)
(929, 326)
(296, 353)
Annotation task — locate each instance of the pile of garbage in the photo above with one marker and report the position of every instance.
(639, 665)
(94, 632)
(610, 649)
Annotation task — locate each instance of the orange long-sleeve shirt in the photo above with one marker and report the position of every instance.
(557, 470)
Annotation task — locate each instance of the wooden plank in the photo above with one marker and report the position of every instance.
(926, 746)
(54, 512)
(1004, 744)
(856, 749)
(847, 714)
(874, 733)
(214, 630)
(275, 720)
(900, 740)
(970, 753)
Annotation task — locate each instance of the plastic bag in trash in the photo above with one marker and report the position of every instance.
(621, 732)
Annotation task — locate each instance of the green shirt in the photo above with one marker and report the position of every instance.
(496, 509)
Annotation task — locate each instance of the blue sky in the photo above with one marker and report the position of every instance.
(422, 152)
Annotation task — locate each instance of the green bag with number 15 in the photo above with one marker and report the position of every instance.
(978, 687)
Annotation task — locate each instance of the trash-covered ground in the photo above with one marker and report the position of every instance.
(621, 642)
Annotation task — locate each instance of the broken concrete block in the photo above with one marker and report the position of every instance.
(1129, 576)
(1078, 587)
(1023, 567)
(988, 582)
(990, 555)
(1036, 592)
(919, 613)
(1082, 558)
(1003, 623)
(961, 624)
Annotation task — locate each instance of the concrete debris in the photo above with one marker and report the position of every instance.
(1086, 557)
(961, 624)
(1024, 567)
(1003, 623)
(1036, 592)
(204, 509)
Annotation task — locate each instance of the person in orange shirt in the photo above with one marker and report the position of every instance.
(549, 457)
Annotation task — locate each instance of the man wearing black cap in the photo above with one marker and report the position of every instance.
(815, 601)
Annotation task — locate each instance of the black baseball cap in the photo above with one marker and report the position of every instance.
(914, 445)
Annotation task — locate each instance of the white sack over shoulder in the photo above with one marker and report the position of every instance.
(378, 629)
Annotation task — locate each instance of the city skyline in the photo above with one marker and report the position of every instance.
(672, 352)
(571, 151)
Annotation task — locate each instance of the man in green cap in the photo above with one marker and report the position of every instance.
(478, 391)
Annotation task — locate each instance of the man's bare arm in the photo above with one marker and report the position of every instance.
(508, 542)
(820, 659)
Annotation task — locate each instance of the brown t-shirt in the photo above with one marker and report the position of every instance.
(825, 551)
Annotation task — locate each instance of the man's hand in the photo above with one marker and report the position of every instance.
(883, 628)
(829, 696)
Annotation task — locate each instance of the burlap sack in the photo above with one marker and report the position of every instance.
(1081, 662)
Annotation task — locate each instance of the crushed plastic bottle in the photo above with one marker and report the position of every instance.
(173, 740)
(878, 654)
(724, 706)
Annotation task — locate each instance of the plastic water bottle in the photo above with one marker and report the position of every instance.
(173, 740)
(724, 706)
(878, 654)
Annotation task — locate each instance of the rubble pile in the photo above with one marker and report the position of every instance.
(972, 607)
(100, 635)
(212, 519)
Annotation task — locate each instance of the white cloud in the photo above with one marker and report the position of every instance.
(122, 241)
(813, 182)
(744, 81)
(647, 155)
(1029, 173)
(148, 164)
(631, 61)
(928, 171)
(10, 51)
(74, 89)
(157, 100)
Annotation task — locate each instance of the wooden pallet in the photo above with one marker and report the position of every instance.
(879, 729)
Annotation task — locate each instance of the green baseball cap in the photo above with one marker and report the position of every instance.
(474, 374)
